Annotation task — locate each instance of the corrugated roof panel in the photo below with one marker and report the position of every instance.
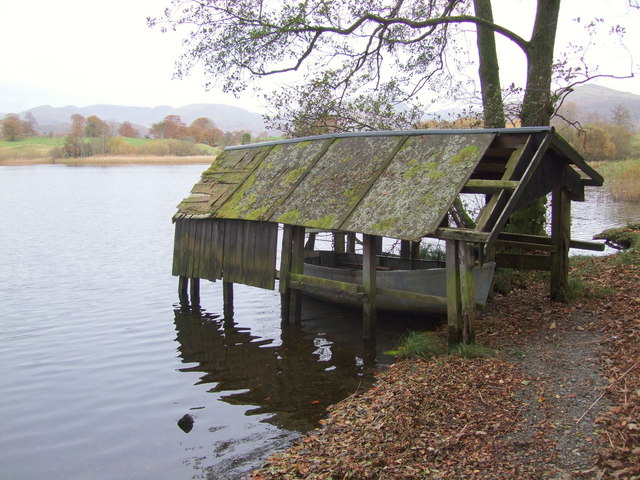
(334, 185)
(272, 181)
(414, 192)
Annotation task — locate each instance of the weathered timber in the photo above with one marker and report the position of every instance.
(183, 286)
(369, 307)
(299, 280)
(454, 300)
(523, 261)
(195, 291)
(462, 234)
(227, 300)
(560, 235)
(525, 245)
(297, 266)
(467, 298)
(538, 240)
(489, 186)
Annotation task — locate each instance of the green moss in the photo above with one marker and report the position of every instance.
(385, 225)
(294, 175)
(464, 154)
(291, 217)
(304, 144)
(326, 222)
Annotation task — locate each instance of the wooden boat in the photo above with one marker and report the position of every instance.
(422, 277)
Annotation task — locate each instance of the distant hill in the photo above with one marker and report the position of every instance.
(595, 101)
(226, 117)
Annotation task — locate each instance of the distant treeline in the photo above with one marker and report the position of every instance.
(94, 136)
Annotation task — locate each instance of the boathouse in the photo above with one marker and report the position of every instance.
(397, 184)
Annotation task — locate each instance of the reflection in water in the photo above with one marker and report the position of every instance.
(293, 380)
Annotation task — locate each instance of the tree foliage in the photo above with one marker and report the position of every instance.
(365, 64)
(13, 128)
(171, 127)
(126, 129)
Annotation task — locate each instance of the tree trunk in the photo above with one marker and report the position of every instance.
(489, 71)
(537, 106)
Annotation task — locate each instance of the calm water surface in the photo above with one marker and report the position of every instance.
(97, 362)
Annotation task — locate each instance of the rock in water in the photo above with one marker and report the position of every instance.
(186, 423)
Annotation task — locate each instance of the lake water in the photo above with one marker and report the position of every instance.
(98, 362)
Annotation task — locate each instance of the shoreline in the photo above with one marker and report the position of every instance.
(112, 160)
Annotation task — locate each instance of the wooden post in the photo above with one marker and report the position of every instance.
(195, 292)
(297, 266)
(415, 252)
(338, 242)
(227, 299)
(285, 268)
(454, 303)
(311, 242)
(378, 245)
(405, 249)
(561, 238)
(183, 286)
(351, 243)
(369, 313)
(467, 296)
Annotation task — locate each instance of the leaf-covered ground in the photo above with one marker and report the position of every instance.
(562, 400)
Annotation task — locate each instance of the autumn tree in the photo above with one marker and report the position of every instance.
(95, 127)
(171, 127)
(11, 127)
(126, 129)
(204, 130)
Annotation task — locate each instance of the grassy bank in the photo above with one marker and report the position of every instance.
(622, 178)
(45, 150)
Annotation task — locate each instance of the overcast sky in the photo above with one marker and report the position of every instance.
(86, 52)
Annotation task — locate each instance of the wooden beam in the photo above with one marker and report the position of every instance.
(462, 234)
(560, 235)
(489, 186)
(369, 306)
(299, 281)
(523, 262)
(525, 245)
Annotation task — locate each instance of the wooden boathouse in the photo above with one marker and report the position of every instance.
(397, 184)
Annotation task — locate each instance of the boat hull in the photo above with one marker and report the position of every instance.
(428, 281)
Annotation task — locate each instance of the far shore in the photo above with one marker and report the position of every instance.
(111, 160)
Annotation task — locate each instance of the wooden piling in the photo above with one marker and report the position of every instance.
(297, 266)
(454, 301)
(227, 299)
(467, 297)
(285, 269)
(195, 292)
(183, 287)
(369, 312)
(561, 239)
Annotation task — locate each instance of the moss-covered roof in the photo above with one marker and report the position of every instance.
(396, 184)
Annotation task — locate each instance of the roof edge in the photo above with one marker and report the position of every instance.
(390, 133)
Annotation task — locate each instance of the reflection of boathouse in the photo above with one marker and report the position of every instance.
(404, 185)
